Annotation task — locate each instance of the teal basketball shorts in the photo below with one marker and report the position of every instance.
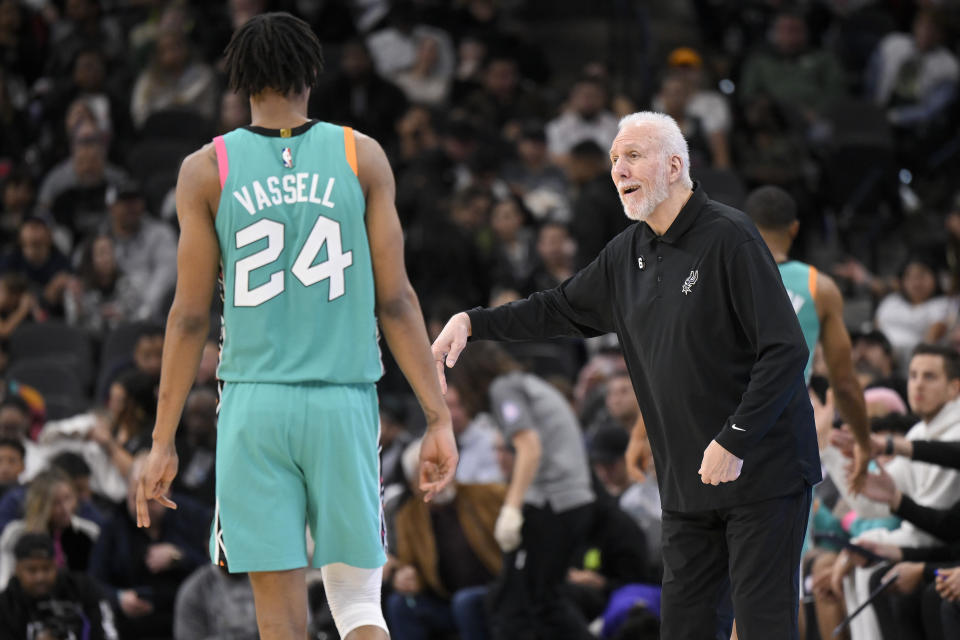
(292, 456)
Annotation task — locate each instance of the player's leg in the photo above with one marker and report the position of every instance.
(354, 598)
(280, 598)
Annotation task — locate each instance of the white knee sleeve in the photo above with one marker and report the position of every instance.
(354, 596)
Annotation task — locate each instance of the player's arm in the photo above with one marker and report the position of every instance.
(188, 323)
(401, 320)
(846, 389)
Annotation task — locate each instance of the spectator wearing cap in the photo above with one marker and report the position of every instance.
(44, 601)
(707, 105)
(586, 117)
(146, 250)
(73, 190)
(46, 269)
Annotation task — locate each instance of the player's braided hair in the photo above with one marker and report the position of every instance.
(273, 51)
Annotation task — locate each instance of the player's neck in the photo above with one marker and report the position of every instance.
(779, 247)
(272, 110)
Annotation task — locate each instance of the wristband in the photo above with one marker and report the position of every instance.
(889, 449)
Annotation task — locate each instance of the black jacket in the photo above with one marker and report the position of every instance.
(75, 604)
(711, 341)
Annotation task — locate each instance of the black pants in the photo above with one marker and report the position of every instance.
(907, 616)
(526, 602)
(751, 552)
(950, 619)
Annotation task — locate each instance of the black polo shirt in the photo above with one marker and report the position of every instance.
(711, 341)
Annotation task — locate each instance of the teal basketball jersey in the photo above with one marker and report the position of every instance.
(800, 281)
(297, 276)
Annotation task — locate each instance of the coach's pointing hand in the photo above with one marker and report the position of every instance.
(448, 345)
(719, 465)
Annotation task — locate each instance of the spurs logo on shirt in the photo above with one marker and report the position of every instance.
(690, 281)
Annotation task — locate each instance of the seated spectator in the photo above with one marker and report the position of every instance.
(674, 97)
(556, 250)
(142, 569)
(614, 555)
(767, 149)
(502, 98)
(354, 93)
(447, 553)
(597, 211)
(19, 193)
(791, 72)
(639, 500)
(705, 104)
(394, 440)
(934, 386)
(197, 447)
(585, 117)
(174, 79)
(51, 507)
(146, 357)
(46, 269)
(74, 189)
(213, 604)
(514, 248)
(101, 297)
(535, 178)
(17, 304)
(15, 422)
(12, 455)
(133, 404)
(914, 76)
(146, 250)
(476, 442)
(917, 313)
(427, 81)
(43, 600)
(620, 408)
(81, 24)
(875, 362)
(209, 361)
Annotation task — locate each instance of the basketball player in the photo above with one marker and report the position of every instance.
(300, 214)
(819, 307)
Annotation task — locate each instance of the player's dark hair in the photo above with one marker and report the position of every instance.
(771, 207)
(273, 51)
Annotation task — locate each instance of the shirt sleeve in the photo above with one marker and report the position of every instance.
(768, 321)
(945, 454)
(511, 406)
(579, 307)
(942, 523)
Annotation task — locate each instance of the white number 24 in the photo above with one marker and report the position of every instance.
(325, 231)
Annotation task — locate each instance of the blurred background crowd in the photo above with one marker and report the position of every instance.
(497, 116)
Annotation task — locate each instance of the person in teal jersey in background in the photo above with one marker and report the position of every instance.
(301, 216)
(819, 306)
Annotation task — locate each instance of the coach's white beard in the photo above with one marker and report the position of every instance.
(641, 208)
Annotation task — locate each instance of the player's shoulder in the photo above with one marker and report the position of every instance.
(201, 163)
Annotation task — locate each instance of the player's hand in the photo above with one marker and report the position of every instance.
(157, 475)
(438, 459)
(448, 345)
(857, 475)
(507, 530)
(719, 465)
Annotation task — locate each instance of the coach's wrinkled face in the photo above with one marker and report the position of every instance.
(639, 170)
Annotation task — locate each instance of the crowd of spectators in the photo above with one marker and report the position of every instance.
(497, 116)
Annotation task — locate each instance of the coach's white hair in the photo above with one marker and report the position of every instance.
(670, 138)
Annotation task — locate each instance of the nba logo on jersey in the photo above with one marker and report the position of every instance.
(287, 157)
